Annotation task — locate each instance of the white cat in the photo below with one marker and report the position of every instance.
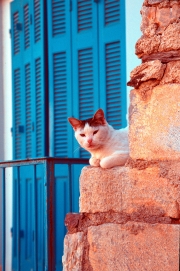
(108, 147)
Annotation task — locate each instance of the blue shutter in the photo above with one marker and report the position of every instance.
(85, 62)
(28, 110)
(112, 76)
(28, 74)
(28, 123)
(17, 73)
(60, 72)
(60, 100)
(38, 77)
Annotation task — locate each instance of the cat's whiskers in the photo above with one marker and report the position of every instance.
(77, 149)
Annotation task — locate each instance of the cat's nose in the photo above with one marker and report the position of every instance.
(89, 140)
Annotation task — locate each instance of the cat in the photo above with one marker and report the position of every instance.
(108, 147)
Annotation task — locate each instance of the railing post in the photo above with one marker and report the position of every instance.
(3, 220)
(49, 216)
(70, 188)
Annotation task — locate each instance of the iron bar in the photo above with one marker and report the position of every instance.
(36, 161)
(70, 188)
(3, 220)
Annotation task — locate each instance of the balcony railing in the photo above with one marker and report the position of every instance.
(50, 169)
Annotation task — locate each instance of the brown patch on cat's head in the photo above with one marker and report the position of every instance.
(97, 120)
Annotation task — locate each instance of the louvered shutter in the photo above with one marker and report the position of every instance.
(112, 75)
(28, 121)
(60, 106)
(28, 78)
(38, 78)
(85, 62)
(60, 86)
(17, 75)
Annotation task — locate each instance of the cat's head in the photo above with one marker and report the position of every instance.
(90, 133)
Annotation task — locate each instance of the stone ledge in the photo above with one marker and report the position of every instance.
(154, 190)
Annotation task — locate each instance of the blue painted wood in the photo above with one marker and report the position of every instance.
(17, 86)
(112, 59)
(60, 77)
(62, 207)
(85, 63)
(28, 78)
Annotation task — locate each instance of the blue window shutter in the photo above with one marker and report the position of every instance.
(85, 62)
(28, 78)
(17, 74)
(60, 73)
(28, 110)
(28, 60)
(112, 76)
(38, 77)
(60, 105)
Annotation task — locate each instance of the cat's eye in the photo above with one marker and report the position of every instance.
(95, 132)
(83, 135)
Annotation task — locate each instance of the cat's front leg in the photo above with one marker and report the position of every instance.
(94, 162)
(116, 159)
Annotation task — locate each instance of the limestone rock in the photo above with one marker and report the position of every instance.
(145, 89)
(163, 18)
(170, 39)
(147, 45)
(155, 124)
(163, 56)
(172, 73)
(73, 252)
(147, 193)
(146, 71)
(100, 189)
(134, 246)
(126, 190)
(152, 2)
(148, 18)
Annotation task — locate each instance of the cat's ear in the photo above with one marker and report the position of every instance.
(75, 123)
(99, 116)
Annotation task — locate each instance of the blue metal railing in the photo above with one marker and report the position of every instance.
(49, 202)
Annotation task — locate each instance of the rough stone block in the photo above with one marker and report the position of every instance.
(146, 71)
(155, 124)
(146, 193)
(73, 252)
(170, 38)
(134, 246)
(140, 193)
(100, 189)
(172, 74)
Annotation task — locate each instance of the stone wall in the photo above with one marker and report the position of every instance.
(130, 216)
(129, 219)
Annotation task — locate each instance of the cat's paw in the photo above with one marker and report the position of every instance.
(94, 162)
